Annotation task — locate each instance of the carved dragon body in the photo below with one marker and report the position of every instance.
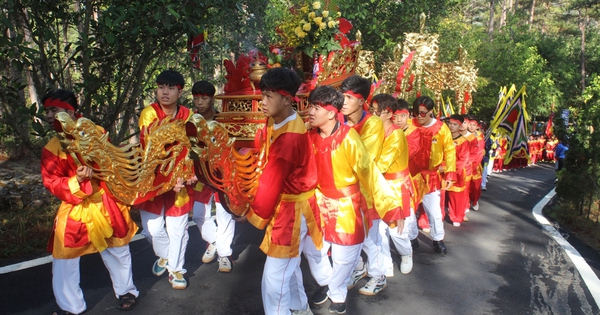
(233, 172)
(128, 172)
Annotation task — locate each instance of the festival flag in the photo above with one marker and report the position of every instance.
(446, 107)
(194, 45)
(442, 107)
(549, 125)
(450, 107)
(512, 123)
(504, 101)
(518, 141)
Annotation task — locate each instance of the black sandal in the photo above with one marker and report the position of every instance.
(126, 302)
(61, 312)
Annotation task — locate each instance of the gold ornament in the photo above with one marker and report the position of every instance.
(129, 172)
(223, 166)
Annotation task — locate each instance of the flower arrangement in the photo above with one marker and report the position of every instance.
(312, 27)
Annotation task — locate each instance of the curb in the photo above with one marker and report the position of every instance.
(586, 272)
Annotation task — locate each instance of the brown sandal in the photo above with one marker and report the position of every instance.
(126, 302)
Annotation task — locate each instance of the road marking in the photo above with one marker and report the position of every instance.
(589, 277)
(48, 259)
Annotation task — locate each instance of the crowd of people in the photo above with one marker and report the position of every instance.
(359, 176)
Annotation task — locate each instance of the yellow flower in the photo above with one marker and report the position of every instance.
(331, 24)
(318, 20)
(322, 26)
(311, 16)
(297, 30)
(301, 34)
(304, 9)
(339, 14)
(325, 13)
(316, 5)
(306, 27)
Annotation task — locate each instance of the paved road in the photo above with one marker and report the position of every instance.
(500, 262)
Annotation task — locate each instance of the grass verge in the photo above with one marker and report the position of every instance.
(585, 227)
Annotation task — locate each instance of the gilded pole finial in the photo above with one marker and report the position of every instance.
(422, 19)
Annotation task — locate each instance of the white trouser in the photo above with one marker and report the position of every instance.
(373, 247)
(169, 243)
(344, 258)
(431, 204)
(65, 278)
(336, 275)
(318, 262)
(386, 255)
(402, 240)
(282, 288)
(490, 167)
(487, 170)
(218, 229)
(411, 223)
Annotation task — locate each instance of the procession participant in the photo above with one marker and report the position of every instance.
(532, 148)
(285, 201)
(488, 162)
(356, 90)
(464, 131)
(413, 137)
(172, 207)
(560, 152)
(457, 198)
(549, 149)
(477, 170)
(393, 164)
(345, 170)
(217, 230)
(108, 230)
(430, 160)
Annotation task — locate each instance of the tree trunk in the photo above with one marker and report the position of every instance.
(582, 27)
(491, 22)
(503, 14)
(531, 15)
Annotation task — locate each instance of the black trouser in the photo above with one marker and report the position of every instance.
(560, 162)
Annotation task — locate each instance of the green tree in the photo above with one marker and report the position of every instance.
(109, 52)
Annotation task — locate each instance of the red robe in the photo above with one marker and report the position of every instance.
(286, 190)
(88, 220)
(457, 194)
(345, 169)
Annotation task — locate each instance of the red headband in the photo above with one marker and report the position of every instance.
(401, 111)
(328, 107)
(456, 121)
(58, 103)
(286, 93)
(424, 106)
(349, 92)
(202, 94)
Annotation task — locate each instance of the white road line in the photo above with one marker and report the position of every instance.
(586, 272)
(48, 259)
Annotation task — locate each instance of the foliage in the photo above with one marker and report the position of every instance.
(383, 23)
(586, 229)
(582, 162)
(109, 52)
